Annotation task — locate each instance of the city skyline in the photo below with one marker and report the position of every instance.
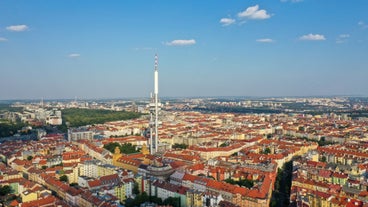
(90, 50)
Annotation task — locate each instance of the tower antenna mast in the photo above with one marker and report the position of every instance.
(154, 111)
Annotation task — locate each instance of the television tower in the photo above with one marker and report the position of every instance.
(154, 111)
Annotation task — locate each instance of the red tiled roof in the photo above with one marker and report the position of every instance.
(189, 177)
(14, 203)
(339, 175)
(354, 203)
(325, 173)
(109, 179)
(94, 183)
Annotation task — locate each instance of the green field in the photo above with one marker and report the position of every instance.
(82, 117)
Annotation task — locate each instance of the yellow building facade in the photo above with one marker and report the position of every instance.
(28, 196)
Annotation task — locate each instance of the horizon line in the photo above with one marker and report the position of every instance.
(184, 97)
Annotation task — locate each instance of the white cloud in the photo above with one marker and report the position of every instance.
(2, 39)
(362, 25)
(242, 22)
(253, 12)
(74, 55)
(17, 28)
(265, 40)
(227, 21)
(144, 48)
(181, 42)
(292, 1)
(342, 38)
(313, 37)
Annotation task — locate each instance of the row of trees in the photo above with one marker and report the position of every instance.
(281, 194)
(321, 142)
(144, 197)
(179, 146)
(241, 182)
(126, 148)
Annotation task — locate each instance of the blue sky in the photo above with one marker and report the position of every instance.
(105, 49)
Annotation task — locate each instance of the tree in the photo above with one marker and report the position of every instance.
(5, 190)
(29, 157)
(234, 154)
(111, 146)
(137, 201)
(231, 181)
(323, 158)
(129, 202)
(323, 142)
(246, 183)
(141, 198)
(211, 177)
(135, 188)
(172, 201)
(10, 128)
(273, 203)
(44, 167)
(266, 151)
(179, 146)
(155, 199)
(63, 178)
(128, 148)
(242, 182)
(225, 144)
